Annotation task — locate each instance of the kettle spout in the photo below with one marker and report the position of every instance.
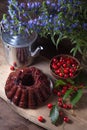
(36, 52)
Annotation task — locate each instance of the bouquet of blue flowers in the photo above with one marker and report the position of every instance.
(65, 19)
(20, 17)
(58, 18)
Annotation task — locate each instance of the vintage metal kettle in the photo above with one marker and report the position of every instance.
(18, 49)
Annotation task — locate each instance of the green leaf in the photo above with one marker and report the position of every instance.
(70, 81)
(59, 39)
(58, 83)
(67, 94)
(53, 40)
(74, 51)
(77, 97)
(54, 114)
(4, 16)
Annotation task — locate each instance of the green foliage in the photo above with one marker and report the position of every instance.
(70, 81)
(54, 114)
(67, 94)
(59, 83)
(76, 97)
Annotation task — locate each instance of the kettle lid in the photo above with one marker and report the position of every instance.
(19, 40)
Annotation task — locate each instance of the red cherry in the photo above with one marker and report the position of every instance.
(60, 99)
(72, 70)
(64, 65)
(15, 64)
(60, 104)
(65, 106)
(66, 71)
(55, 91)
(75, 69)
(73, 65)
(66, 75)
(50, 105)
(59, 94)
(69, 106)
(60, 113)
(71, 75)
(54, 66)
(58, 64)
(61, 60)
(61, 74)
(63, 91)
(57, 71)
(12, 67)
(40, 118)
(65, 88)
(66, 119)
(68, 62)
(54, 59)
(75, 89)
(81, 84)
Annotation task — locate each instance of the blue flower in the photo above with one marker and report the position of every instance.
(29, 5)
(53, 4)
(10, 1)
(48, 2)
(76, 14)
(37, 4)
(15, 3)
(22, 5)
(12, 21)
(30, 23)
(71, 1)
(85, 26)
(25, 14)
(74, 25)
(32, 5)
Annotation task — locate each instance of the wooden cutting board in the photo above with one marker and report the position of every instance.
(79, 121)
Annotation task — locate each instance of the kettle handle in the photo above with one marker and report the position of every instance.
(36, 52)
(1, 29)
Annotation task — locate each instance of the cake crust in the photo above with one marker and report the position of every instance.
(27, 87)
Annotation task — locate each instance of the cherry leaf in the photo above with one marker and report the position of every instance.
(54, 114)
(58, 83)
(66, 95)
(77, 97)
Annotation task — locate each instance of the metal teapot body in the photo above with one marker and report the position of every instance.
(18, 49)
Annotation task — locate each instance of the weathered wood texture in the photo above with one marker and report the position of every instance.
(10, 120)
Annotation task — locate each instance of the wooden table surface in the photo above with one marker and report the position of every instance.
(10, 120)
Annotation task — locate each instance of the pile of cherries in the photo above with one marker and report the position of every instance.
(64, 66)
(62, 104)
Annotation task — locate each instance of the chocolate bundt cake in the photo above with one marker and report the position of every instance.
(27, 87)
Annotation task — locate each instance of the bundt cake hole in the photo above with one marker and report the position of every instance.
(28, 80)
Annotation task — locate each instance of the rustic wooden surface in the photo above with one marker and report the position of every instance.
(13, 121)
(10, 120)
